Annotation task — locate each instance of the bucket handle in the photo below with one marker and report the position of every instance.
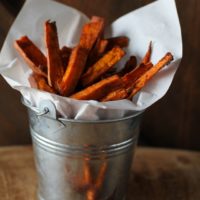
(46, 108)
(39, 112)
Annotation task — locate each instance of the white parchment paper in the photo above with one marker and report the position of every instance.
(157, 22)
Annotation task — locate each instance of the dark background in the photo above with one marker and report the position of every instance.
(171, 122)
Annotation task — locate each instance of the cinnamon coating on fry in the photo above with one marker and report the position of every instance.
(39, 82)
(97, 52)
(65, 55)
(130, 65)
(116, 95)
(147, 56)
(100, 89)
(142, 80)
(102, 66)
(121, 41)
(132, 76)
(88, 71)
(54, 59)
(35, 59)
(91, 32)
(73, 72)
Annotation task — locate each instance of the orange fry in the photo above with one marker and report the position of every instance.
(116, 95)
(74, 70)
(130, 65)
(142, 80)
(65, 54)
(100, 89)
(121, 41)
(102, 66)
(38, 81)
(147, 56)
(97, 51)
(54, 59)
(32, 55)
(132, 76)
(91, 32)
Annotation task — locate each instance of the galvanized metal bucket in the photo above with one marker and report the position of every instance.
(81, 160)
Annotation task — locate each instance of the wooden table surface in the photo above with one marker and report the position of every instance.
(179, 122)
(159, 174)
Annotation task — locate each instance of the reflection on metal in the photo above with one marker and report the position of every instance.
(82, 160)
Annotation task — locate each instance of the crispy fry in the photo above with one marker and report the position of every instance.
(97, 52)
(65, 54)
(101, 48)
(91, 32)
(121, 41)
(116, 95)
(98, 19)
(132, 76)
(39, 82)
(130, 65)
(74, 70)
(90, 64)
(147, 56)
(32, 55)
(142, 80)
(79, 55)
(102, 66)
(100, 89)
(54, 60)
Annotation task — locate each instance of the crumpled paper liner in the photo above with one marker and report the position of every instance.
(157, 22)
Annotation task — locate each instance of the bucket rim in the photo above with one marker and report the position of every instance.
(137, 113)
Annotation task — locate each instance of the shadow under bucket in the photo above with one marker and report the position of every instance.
(82, 160)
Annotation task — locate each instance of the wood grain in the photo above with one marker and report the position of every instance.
(17, 174)
(156, 174)
(177, 126)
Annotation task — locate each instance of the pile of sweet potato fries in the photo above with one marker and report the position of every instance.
(86, 71)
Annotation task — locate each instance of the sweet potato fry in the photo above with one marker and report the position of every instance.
(39, 82)
(97, 52)
(97, 19)
(121, 41)
(35, 59)
(132, 76)
(116, 95)
(142, 80)
(102, 66)
(101, 48)
(54, 59)
(91, 32)
(65, 54)
(147, 56)
(130, 65)
(100, 89)
(74, 70)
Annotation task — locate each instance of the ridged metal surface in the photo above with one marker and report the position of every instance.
(83, 161)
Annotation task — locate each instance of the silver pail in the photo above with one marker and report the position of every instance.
(82, 160)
